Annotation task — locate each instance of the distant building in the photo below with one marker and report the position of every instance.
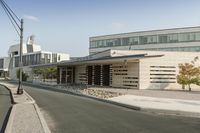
(4, 64)
(177, 39)
(32, 55)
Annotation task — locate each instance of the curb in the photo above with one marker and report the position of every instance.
(171, 112)
(42, 120)
(10, 120)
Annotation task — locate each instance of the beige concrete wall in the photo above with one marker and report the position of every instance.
(125, 75)
(80, 74)
(152, 67)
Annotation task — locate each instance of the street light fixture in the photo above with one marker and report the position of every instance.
(19, 29)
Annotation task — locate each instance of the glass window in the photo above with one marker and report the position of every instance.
(125, 41)
(143, 39)
(1, 63)
(163, 38)
(173, 38)
(117, 42)
(134, 40)
(109, 43)
(151, 39)
(197, 36)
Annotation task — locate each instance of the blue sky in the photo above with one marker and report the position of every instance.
(66, 25)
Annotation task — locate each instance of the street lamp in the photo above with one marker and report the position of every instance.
(19, 29)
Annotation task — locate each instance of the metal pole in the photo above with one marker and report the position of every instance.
(20, 89)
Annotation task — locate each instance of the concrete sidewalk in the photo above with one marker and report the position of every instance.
(191, 107)
(25, 116)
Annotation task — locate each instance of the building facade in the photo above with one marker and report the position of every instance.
(177, 39)
(4, 64)
(32, 54)
(126, 69)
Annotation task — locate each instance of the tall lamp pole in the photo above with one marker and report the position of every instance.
(18, 25)
(20, 89)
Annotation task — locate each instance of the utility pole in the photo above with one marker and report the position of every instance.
(18, 26)
(20, 89)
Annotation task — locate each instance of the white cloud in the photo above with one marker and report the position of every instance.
(32, 18)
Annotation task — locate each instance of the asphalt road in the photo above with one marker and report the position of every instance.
(67, 113)
(5, 104)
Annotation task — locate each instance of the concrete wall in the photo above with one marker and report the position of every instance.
(125, 75)
(80, 74)
(159, 73)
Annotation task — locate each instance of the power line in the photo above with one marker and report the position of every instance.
(11, 15)
(11, 10)
(12, 23)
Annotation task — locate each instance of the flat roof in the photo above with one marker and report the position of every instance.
(194, 27)
(138, 56)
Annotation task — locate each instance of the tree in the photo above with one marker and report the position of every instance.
(24, 75)
(189, 74)
(47, 73)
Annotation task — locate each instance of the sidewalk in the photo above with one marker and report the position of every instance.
(167, 102)
(25, 116)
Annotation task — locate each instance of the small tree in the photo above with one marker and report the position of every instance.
(189, 74)
(24, 75)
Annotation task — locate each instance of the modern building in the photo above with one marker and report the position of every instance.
(177, 39)
(125, 69)
(32, 55)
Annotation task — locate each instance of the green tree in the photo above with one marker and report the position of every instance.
(189, 74)
(24, 75)
(47, 73)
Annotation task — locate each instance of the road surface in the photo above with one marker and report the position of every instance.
(67, 113)
(5, 104)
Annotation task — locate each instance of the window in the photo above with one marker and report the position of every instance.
(185, 37)
(109, 43)
(152, 39)
(1, 63)
(197, 36)
(125, 41)
(134, 40)
(143, 39)
(173, 38)
(163, 38)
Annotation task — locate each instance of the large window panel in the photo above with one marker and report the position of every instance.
(163, 38)
(125, 41)
(197, 36)
(172, 38)
(143, 40)
(151, 39)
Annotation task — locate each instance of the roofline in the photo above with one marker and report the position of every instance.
(139, 56)
(144, 31)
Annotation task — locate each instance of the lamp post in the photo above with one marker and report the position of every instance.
(20, 89)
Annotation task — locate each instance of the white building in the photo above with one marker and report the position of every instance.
(32, 55)
(177, 39)
(4, 64)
